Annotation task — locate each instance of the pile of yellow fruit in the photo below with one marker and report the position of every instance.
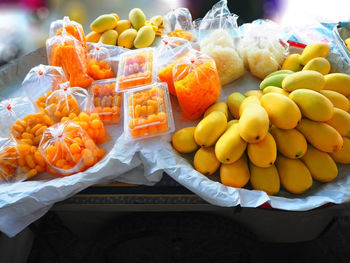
(292, 131)
(136, 32)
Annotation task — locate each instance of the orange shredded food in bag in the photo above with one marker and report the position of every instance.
(197, 89)
(72, 58)
(75, 32)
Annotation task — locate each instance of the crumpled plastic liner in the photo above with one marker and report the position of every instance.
(143, 162)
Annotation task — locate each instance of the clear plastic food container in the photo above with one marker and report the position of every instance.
(147, 112)
(340, 33)
(105, 101)
(136, 68)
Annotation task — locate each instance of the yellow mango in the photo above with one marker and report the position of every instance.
(145, 37)
(230, 146)
(321, 65)
(183, 140)
(292, 62)
(234, 102)
(122, 25)
(256, 93)
(282, 111)
(210, 128)
(339, 82)
(235, 174)
(247, 101)
(294, 175)
(93, 37)
(284, 71)
(321, 135)
(263, 153)
(254, 123)
(104, 23)
(341, 122)
(137, 18)
(205, 162)
(312, 104)
(274, 80)
(306, 79)
(272, 89)
(265, 179)
(127, 37)
(109, 37)
(291, 143)
(320, 164)
(338, 100)
(230, 123)
(220, 106)
(314, 50)
(342, 156)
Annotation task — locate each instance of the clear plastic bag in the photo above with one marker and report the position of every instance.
(11, 110)
(178, 23)
(62, 102)
(169, 51)
(68, 149)
(19, 162)
(98, 65)
(218, 33)
(65, 51)
(264, 47)
(71, 27)
(105, 101)
(30, 128)
(42, 79)
(197, 84)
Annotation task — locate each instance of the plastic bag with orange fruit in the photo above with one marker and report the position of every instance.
(68, 149)
(92, 124)
(99, 66)
(169, 51)
(105, 101)
(65, 51)
(197, 84)
(29, 129)
(71, 27)
(12, 110)
(19, 162)
(42, 79)
(178, 23)
(62, 102)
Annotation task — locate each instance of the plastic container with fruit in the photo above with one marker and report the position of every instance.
(105, 101)
(341, 35)
(147, 112)
(136, 68)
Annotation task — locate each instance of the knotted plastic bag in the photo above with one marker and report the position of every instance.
(19, 162)
(264, 47)
(218, 37)
(178, 23)
(99, 65)
(65, 51)
(42, 79)
(169, 51)
(197, 83)
(68, 149)
(12, 110)
(71, 27)
(62, 102)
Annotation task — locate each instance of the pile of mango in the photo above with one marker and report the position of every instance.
(136, 32)
(290, 132)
